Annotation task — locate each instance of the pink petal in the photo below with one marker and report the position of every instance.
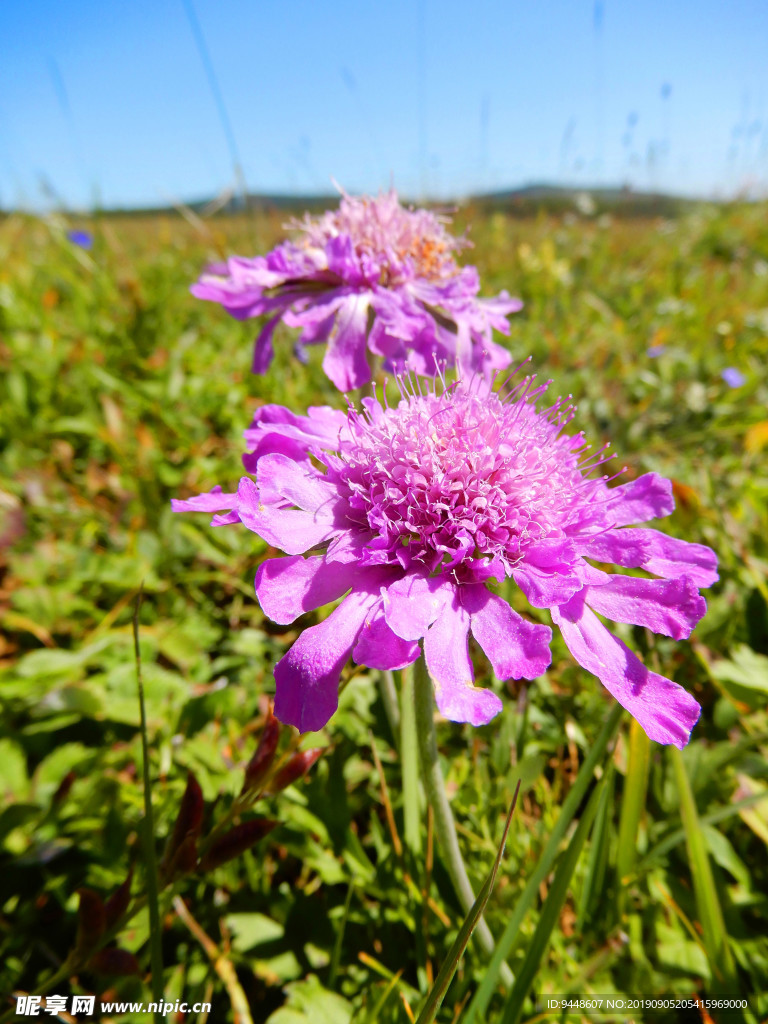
(307, 677)
(665, 710)
(291, 531)
(319, 428)
(655, 552)
(648, 497)
(516, 648)
(621, 547)
(212, 501)
(345, 360)
(671, 607)
(263, 353)
(413, 603)
(289, 587)
(671, 557)
(299, 483)
(378, 647)
(545, 588)
(446, 650)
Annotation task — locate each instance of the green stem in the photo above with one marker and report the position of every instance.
(389, 700)
(409, 755)
(445, 827)
(153, 884)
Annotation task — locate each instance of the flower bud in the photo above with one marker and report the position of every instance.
(114, 961)
(293, 769)
(189, 820)
(239, 839)
(117, 904)
(261, 761)
(184, 860)
(91, 920)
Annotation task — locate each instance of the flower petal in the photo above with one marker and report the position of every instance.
(671, 557)
(214, 500)
(544, 587)
(413, 603)
(345, 361)
(378, 647)
(664, 709)
(648, 497)
(281, 477)
(654, 551)
(289, 587)
(263, 353)
(291, 531)
(671, 607)
(307, 677)
(516, 648)
(446, 650)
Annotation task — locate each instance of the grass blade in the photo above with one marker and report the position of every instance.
(550, 912)
(451, 962)
(597, 861)
(148, 831)
(632, 807)
(713, 818)
(710, 912)
(506, 944)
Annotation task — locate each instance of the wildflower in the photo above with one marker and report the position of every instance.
(81, 238)
(370, 274)
(733, 378)
(420, 509)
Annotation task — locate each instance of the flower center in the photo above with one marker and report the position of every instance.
(460, 480)
(392, 243)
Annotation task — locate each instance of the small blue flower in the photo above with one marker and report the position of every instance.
(81, 238)
(733, 377)
(656, 350)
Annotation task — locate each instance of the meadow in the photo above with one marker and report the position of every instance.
(641, 874)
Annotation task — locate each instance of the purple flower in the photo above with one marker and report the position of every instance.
(733, 377)
(371, 273)
(81, 238)
(421, 511)
(655, 351)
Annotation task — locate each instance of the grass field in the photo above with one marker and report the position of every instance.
(118, 391)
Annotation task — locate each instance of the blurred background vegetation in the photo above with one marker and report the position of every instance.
(119, 391)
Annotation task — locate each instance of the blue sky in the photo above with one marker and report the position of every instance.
(109, 101)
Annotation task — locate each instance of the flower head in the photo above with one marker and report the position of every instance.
(372, 274)
(417, 512)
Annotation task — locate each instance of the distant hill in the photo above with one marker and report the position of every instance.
(558, 199)
(524, 201)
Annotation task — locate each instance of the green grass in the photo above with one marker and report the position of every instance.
(118, 390)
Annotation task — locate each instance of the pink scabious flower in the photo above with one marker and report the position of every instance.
(370, 274)
(417, 512)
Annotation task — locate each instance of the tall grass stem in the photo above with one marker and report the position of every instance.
(445, 827)
(153, 885)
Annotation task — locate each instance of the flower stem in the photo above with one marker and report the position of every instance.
(409, 755)
(391, 707)
(445, 827)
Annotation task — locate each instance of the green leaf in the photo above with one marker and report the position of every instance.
(13, 770)
(745, 667)
(252, 930)
(309, 1003)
